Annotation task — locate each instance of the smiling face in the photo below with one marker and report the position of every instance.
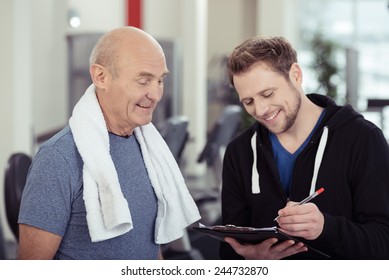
(129, 98)
(134, 94)
(269, 97)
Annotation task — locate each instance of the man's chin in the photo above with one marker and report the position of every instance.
(145, 121)
(274, 130)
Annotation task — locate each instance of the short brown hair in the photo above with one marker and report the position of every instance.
(276, 52)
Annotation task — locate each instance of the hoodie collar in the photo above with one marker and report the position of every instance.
(336, 116)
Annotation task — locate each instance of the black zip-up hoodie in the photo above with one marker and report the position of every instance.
(353, 168)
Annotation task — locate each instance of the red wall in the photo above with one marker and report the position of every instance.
(134, 13)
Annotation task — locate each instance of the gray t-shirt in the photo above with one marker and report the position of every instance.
(53, 200)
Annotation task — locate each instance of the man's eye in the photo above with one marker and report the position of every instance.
(248, 102)
(144, 81)
(268, 94)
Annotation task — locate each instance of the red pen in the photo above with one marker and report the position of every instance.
(309, 198)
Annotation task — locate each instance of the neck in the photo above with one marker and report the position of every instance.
(112, 125)
(117, 130)
(306, 120)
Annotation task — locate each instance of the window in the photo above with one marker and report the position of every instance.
(362, 25)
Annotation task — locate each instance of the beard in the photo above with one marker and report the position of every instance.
(290, 115)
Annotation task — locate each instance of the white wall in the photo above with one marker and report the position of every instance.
(98, 16)
(6, 100)
(48, 68)
(277, 18)
(163, 18)
(229, 23)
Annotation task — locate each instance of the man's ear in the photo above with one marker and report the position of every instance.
(295, 74)
(99, 75)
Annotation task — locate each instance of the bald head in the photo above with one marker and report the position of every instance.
(111, 45)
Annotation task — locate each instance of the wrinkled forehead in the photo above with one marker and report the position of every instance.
(143, 58)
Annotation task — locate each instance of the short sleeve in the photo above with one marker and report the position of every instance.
(47, 196)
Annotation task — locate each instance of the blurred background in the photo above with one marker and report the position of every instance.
(45, 45)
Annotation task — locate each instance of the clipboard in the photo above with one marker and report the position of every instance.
(250, 235)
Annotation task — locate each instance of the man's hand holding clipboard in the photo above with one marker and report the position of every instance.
(248, 238)
(268, 242)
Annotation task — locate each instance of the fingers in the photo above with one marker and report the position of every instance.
(292, 250)
(292, 208)
(303, 221)
(268, 249)
(235, 244)
(291, 203)
(238, 248)
(242, 249)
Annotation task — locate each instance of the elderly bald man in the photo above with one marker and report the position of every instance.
(106, 186)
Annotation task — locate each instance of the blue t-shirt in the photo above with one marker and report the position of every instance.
(53, 200)
(285, 161)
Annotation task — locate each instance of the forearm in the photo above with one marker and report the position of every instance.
(350, 240)
(160, 256)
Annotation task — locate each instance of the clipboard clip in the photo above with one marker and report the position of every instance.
(232, 228)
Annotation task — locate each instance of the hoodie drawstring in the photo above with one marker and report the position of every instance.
(318, 158)
(255, 189)
(254, 173)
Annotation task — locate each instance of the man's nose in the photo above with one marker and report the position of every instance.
(155, 92)
(261, 108)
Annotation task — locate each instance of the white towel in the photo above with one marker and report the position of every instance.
(108, 214)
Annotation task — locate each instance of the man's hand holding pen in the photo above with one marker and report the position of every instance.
(301, 220)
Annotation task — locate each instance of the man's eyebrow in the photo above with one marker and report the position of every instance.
(150, 75)
(261, 92)
(145, 74)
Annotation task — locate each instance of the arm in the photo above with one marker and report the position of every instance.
(235, 209)
(362, 192)
(366, 232)
(37, 244)
(160, 256)
(45, 207)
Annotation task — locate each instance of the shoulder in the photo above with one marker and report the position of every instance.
(62, 140)
(245, 136)
(59, 154)
(240, 147)
(61, 143)
(361, 128)
(347, 122)
(357, 137)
